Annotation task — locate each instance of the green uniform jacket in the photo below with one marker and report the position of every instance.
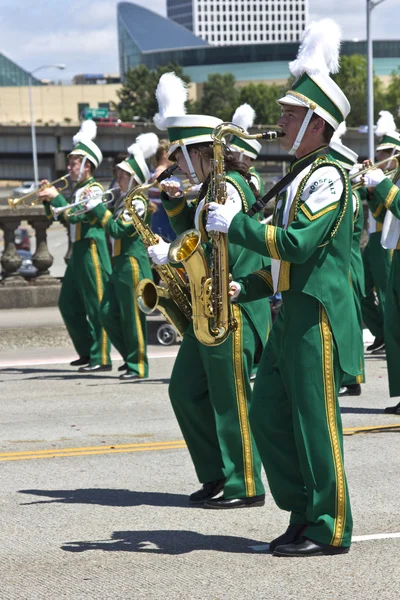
(254, 173)
(356, 261)
(313, 253)
(386, 196)
(125, 240)
(241, 261)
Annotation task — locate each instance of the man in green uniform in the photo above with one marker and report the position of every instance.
(384, 204)
(295, 413)
(124, 323)
(210, 388)
(376, 258)
(247, 150)
(89, 266)
(347, 159)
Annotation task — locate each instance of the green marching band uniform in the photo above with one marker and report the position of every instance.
(384, 204)
(120, 315)
(210, 385)
(89, 267)
(347, 159)
(295, 414)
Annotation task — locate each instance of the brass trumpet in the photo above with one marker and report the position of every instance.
(13, 202)
(389, 174)
(57, 211)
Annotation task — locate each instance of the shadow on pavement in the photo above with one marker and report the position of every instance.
(361, 411)
(108, 497)
(165, 542)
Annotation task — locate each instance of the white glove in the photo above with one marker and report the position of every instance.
(172, 188)
(220, 216)
(159, 252)
(234, 290)
(92, 201)
(353, 171)
(373, 177)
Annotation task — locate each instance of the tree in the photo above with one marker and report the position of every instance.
(263, 98)
(220, 97)
(138, 93)
(352, 79)
(392, 96)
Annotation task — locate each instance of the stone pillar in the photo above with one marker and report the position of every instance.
(42, 259)
(10, 260)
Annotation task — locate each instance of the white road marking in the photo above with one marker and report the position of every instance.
(355, 538)
(4, 364)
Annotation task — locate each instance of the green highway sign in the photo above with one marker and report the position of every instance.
(96, 113)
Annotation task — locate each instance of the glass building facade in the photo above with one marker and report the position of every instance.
(11, 74)
(181, 11)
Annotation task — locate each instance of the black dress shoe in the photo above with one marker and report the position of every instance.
(95, 368)
(292, 534)
(350, 390)
(123, 367)
(306, 547)
(129, 376)
(236, 502)
(207, 491)
(376, 345)
(393, 410)
(79, 362)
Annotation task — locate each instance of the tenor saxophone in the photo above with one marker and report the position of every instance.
(209, 281)
(173, 301)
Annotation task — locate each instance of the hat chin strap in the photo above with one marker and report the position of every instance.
(83, 163)
(302, 131)
(190, 165)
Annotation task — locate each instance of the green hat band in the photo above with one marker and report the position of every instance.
(134, 166)
(340, 157)
(177, 134)
(90, 154)
(305, 86)
(241, 144)
(387, 139)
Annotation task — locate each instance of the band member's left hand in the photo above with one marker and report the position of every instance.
(220, 216)
(47, 193)
(373, 177)
(234, 290)
(92, 201)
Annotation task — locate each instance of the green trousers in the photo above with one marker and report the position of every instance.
(377, 268)
(210, 393)
(392, 326)
(121, 317)
(80, 297)
(295, 418)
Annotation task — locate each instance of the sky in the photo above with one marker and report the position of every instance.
(83, 33)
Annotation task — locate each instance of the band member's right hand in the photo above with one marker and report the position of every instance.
(159, 252)
(92, 202)
(48, 193)
(172, 188)
(234, 290)
(373, 177)
(353, 173)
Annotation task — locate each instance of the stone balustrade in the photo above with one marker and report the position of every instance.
(15, 290)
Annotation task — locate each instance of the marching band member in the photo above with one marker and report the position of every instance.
(384, 204)
(210, 387)
(247, 151)
(295, 413)
(376, 258)
(124, 323)
(89, 266)
(348, 160)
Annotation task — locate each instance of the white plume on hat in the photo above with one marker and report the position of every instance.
(319, 50)
(244, 116)
(87, 132)
(171, 94)
(385, 124)
(339, 133)
(146, 145)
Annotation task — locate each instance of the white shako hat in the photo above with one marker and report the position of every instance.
(318, 56)
(144, 147)
(386, 128)
(84, 145)
(244, 116)
(183, 129)
(344, 155)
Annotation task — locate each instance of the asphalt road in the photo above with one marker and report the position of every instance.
(95, 479)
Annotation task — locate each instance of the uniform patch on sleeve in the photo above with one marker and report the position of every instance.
(322, 192)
